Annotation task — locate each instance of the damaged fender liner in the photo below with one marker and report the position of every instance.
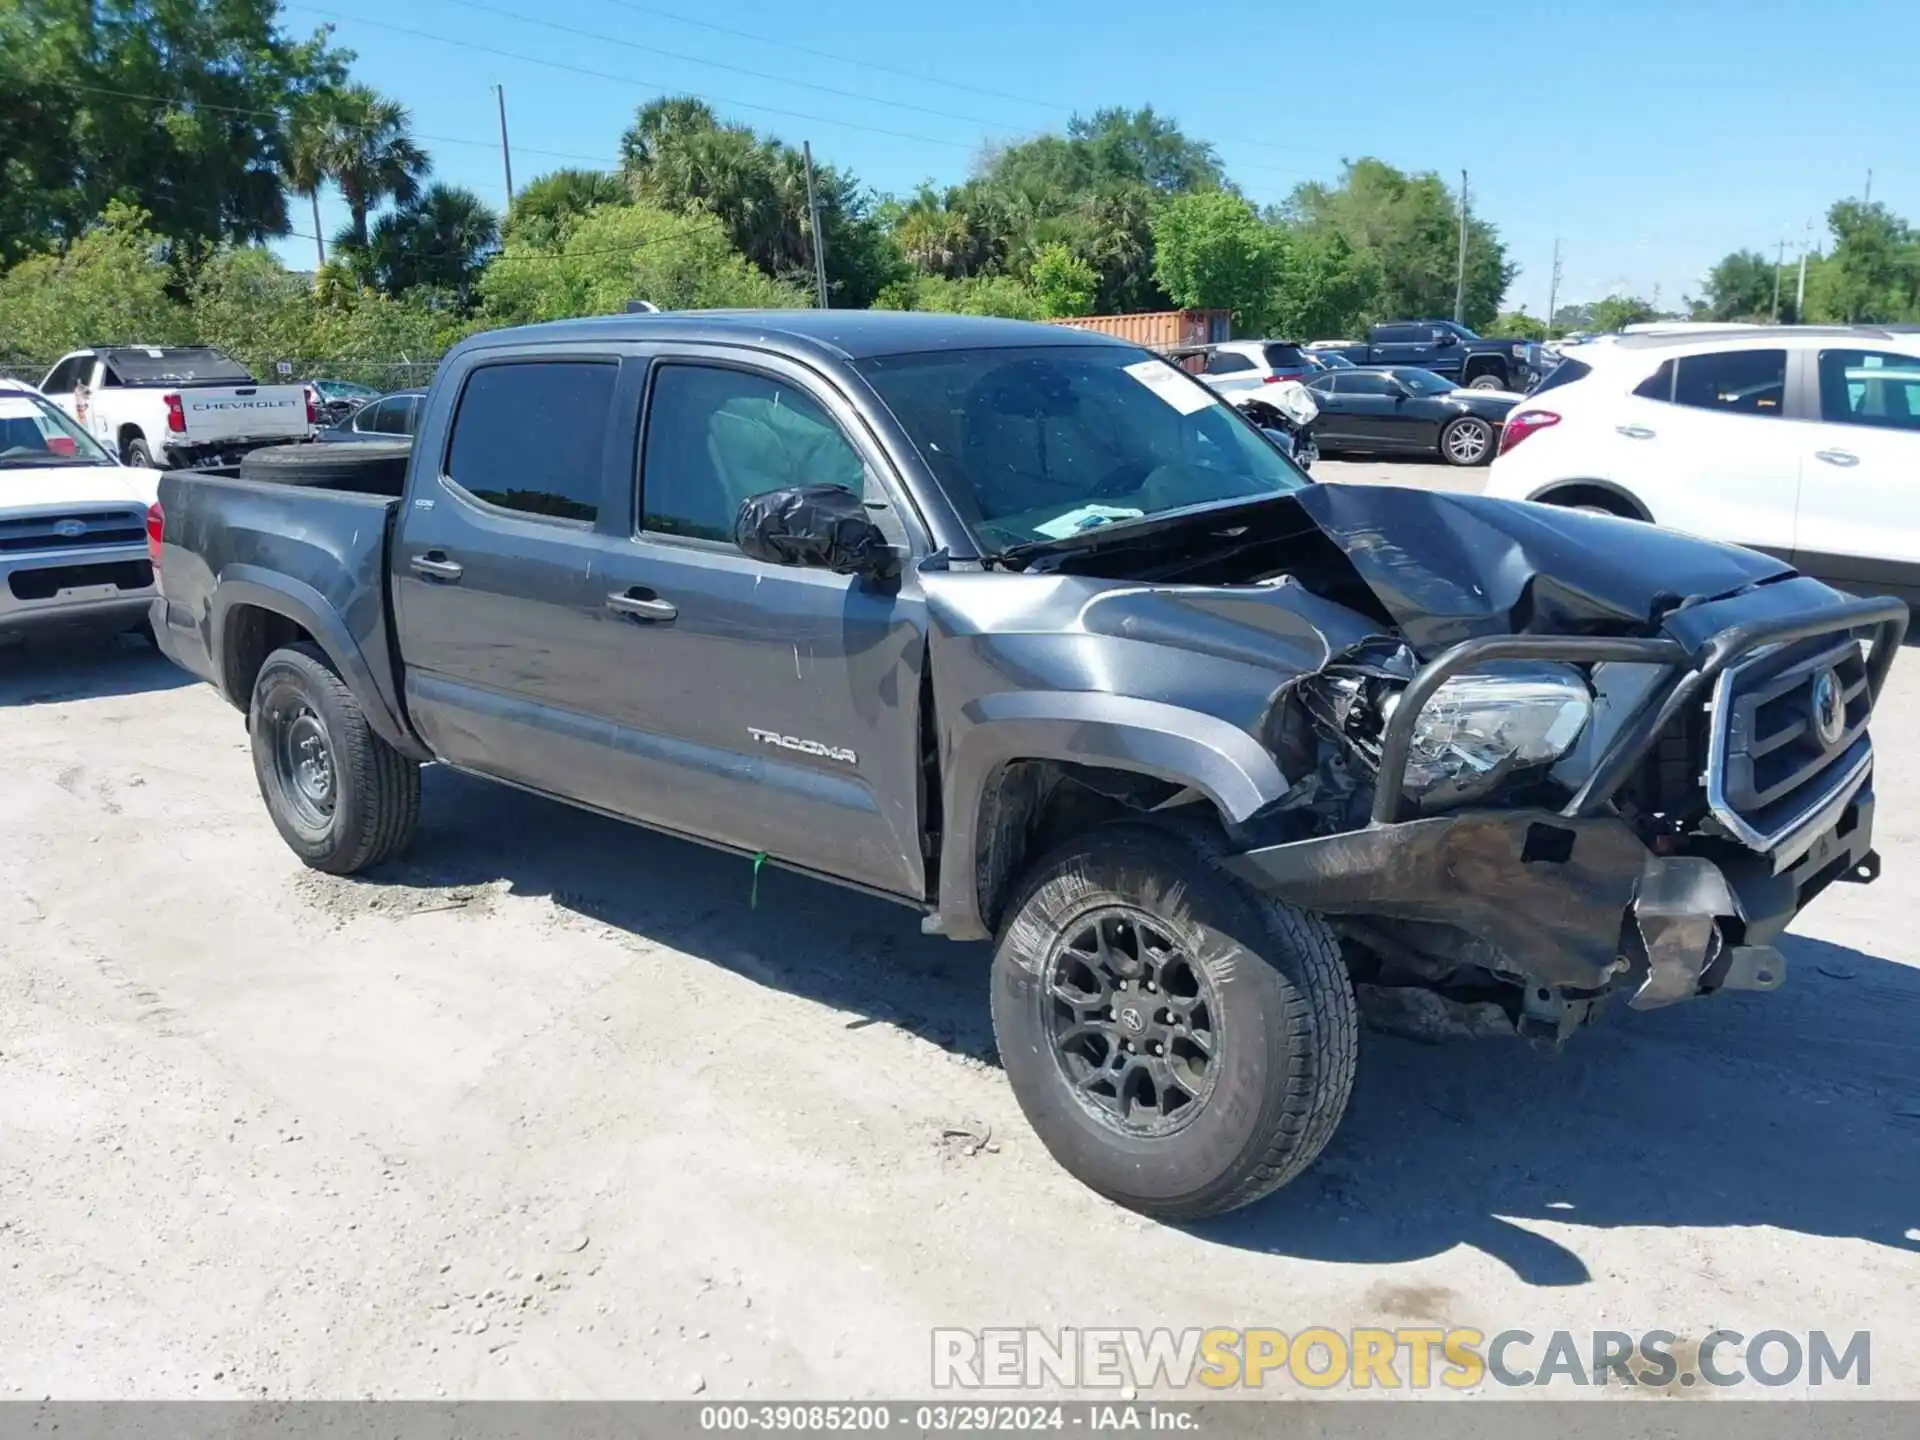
(1558, 918)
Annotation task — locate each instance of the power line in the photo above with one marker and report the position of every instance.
(703, 222)
(187, 104)
(664, 88)
(914, 75)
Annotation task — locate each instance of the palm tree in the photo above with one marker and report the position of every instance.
(370, 155)
(306, 169)
(440, 238)
(548, 205)
(661, 122)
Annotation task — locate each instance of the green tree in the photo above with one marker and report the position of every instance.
(306, 161)
(1324, 289)
(1519, 325)
(174, 106)
(548, 206)
(679, 156)
(1063, 283)
(980, 295)
(618, 253)
(110, 287)
(1616, 312)
(1212, 251)
(1874, 270)
(1141, 145)
(370, 154)
(439, 240)
(1408, 228)
(1740, 287)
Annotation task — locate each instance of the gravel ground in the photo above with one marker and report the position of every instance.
(557, 1108)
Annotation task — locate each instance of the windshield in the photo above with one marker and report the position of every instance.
(1424, 382)
(35, 433)
(1044, 442)
(1333, 360)
(344, 390)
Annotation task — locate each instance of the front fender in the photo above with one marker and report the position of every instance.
(1147, 737)
(311, 611)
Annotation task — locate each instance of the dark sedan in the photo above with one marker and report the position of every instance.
(1403, 411)
(391, 417)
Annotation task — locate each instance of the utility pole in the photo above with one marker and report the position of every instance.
(1867, 199)
(1800, 292)
(506, 157)
(813, 221)
(1460, 273)
(1779, 263)
(1553, 286)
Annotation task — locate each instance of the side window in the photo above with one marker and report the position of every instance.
(367, 419)
(1363, 384)
(410, 417)
(1870, 387)
(718, 437)
(1739, 382)
(1225, 362)
(1658, 385)
(392, 419)
(1400, 335)
(529, 434)
(60, 381)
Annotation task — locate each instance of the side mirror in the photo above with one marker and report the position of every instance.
(823, 526)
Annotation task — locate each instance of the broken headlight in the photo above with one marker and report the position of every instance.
(1482, 726)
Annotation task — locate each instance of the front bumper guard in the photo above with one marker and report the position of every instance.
(1572, 900)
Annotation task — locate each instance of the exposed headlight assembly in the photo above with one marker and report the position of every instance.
(1482, 726)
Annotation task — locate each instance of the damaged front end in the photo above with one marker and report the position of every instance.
(1655, 840)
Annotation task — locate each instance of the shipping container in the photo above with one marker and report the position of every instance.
(1161, 329)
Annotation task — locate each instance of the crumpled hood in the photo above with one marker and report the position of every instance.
(1451, 567)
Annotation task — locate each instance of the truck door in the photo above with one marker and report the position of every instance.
(771, 708)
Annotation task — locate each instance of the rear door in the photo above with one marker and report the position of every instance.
(1705, 443)
(780, 710)
(1369, 407)
(498, 566)
(1401, 344)
(1859, 514)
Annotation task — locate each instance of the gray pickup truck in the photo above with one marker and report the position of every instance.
(1023, 628)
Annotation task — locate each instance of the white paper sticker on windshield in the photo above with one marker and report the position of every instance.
(1182, 393)
(1085, 518)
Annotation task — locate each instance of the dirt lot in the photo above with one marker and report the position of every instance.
(557, 1108)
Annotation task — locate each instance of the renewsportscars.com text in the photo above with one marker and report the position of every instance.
(1404, 1358)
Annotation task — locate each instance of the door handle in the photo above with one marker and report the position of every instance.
(1634, 432)
(642, 604)
(1842, 458)
(435, 566)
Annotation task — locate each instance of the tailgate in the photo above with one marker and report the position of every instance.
(218, 413)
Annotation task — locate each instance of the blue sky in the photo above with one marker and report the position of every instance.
(1650, 138)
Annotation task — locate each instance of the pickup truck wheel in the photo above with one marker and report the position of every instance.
(139, 455)
(1486, 382)
(340, 796)
(1467, 441)
(1181, 1044)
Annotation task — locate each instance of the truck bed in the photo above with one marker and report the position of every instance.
(319, 554)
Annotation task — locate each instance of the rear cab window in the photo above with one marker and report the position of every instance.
(528, 436)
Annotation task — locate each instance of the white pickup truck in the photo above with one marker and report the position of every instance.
(171, 406)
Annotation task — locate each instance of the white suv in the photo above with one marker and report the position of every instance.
(1800, 441)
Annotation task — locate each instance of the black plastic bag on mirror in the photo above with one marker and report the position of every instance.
(825, 526)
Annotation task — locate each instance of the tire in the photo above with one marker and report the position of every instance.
(1467, 441)
(139, 455)
(372, 467)
(1284, 1038)
(1486, 382)
(302, 710)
